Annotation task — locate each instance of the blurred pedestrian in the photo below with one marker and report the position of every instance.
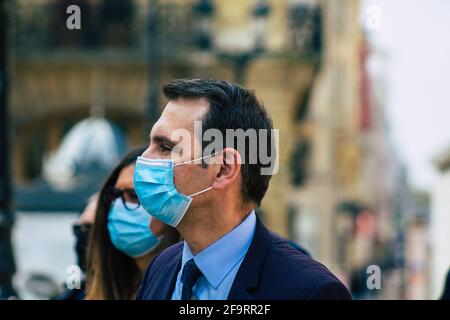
(81, 230)
(446, 293)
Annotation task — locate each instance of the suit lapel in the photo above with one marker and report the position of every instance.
(249, 272)
(163, 288)
(172, 273)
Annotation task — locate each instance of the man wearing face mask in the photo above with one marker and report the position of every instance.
(227, 253)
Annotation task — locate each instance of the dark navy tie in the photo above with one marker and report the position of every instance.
(190, 275)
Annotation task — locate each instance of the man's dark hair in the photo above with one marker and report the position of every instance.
(231, 107)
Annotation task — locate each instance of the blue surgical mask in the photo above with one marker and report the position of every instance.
(154, 186)
(129, 230)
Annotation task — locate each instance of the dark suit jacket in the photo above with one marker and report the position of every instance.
(446, 293)
(272, 269)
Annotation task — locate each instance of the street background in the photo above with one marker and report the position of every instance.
(358, 90)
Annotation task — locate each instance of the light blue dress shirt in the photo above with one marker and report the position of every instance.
(218, 263)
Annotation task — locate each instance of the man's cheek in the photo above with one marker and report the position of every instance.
(179, 179)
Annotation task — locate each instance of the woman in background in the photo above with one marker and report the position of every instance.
(124, 237)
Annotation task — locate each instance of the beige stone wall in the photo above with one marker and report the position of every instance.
(279, 85)
(233, 25)
(49, 87)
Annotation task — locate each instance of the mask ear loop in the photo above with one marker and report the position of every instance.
(200, 192)
(196, 159)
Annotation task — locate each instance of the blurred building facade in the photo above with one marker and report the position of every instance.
(114, 66)
(328, 133)
(350, 204)
(338, 188)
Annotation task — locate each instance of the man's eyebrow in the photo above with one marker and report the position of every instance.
(160, 139)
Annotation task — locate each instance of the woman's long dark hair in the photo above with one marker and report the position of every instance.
(111, 274)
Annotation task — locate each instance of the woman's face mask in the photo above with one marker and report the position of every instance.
(129, 230)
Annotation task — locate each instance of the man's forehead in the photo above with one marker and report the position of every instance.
(182, 113)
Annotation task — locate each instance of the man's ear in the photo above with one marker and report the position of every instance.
(229, 169)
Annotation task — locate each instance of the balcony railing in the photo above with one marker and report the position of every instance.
(115, 25)
(123, 26)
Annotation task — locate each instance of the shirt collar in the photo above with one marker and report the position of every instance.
(217, 260)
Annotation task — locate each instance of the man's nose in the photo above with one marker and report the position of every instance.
(147, 154)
